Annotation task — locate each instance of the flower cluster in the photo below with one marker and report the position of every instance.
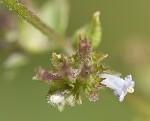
(80, 73)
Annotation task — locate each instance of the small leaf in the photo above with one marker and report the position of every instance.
(92, 31)
(98, 56)
(55, 14)
(36, 43)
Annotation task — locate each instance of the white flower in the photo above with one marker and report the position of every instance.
(120, 86)
(56, 99)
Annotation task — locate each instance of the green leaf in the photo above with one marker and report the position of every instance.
(97, 57)
(91, 30)
(36, 43)
(55, 14)
(99, 68)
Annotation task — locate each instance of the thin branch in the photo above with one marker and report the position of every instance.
(30, 17)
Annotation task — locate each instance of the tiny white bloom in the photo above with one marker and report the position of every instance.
(120, 86)
(56, 99)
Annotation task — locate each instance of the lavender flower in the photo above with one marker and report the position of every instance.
(120, 86)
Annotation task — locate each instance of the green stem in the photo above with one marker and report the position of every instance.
(30, 17)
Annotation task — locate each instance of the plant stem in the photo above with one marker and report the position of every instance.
(30, 17)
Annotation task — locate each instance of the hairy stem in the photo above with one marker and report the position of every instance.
(30, 17)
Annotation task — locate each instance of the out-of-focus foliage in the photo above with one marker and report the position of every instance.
(55, 14)
(17, 36)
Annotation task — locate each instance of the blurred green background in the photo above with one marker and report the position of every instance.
(126, 38)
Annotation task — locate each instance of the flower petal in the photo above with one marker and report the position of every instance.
(120, 86)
